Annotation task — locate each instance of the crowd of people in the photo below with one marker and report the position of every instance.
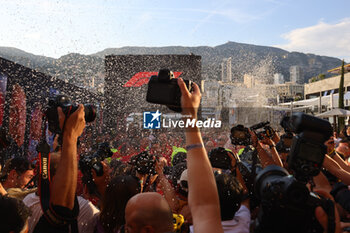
(175, 182)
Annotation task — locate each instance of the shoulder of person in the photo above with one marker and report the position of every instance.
(87, 205)
(243, 212)
(18, 193)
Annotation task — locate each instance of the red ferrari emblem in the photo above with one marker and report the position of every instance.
(142, 78)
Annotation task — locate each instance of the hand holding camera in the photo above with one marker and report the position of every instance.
(67, 108)
(74, 124)
(166, 90)
(190, 101)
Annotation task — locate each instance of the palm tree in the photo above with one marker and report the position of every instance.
(341, 120)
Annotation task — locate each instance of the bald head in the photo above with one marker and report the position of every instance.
(150, 212)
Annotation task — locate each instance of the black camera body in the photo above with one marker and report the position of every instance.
(93, 161)
(68, 108)
(163, 89)
(286, 204)
(308, 150)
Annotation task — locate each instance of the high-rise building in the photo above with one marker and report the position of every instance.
(249, 81)
(278, 78)
(226, 72)
(296, 75)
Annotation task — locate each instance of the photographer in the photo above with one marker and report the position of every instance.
(63, 204)
(203, 196)
(263, 154)
(96, 172)
(144, 169)
(17, 173)
(87, 211)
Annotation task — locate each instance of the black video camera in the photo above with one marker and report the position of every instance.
(240, 135)
(68, 108)
(163, 89)
(308, 150)
(93, 161)
(286, 204)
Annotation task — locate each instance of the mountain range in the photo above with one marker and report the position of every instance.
(260, 61)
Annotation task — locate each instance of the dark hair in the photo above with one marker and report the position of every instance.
(343, 132)
(118, 192)
(176, 172)
(19, 164)
(179, 157)
(219, 158)
(230, 195)
(13, 214)
(121, 169)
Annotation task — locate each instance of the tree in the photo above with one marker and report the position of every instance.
(313, 79)
(341, 120)
(321, 76)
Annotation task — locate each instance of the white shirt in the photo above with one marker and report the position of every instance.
(87, 218)
(239, 224)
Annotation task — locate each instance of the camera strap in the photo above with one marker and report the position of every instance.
(44, 175)
(44, 190)
(43, 149)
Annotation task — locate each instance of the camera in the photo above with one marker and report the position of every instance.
(93, 161)
(285, 142)
(144, 163)
(286, 204)
(240, 136)
(286, 124)
(266, 131)
(68, 108)
(163, 89)
(219, 158)
(307, 150)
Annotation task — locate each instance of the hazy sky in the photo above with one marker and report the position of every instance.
(55, 28)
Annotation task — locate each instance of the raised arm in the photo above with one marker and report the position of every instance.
(341, 162)
(203, 196)
(64, 184)
(333, 167)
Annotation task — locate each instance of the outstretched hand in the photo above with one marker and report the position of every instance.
(190, 101)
